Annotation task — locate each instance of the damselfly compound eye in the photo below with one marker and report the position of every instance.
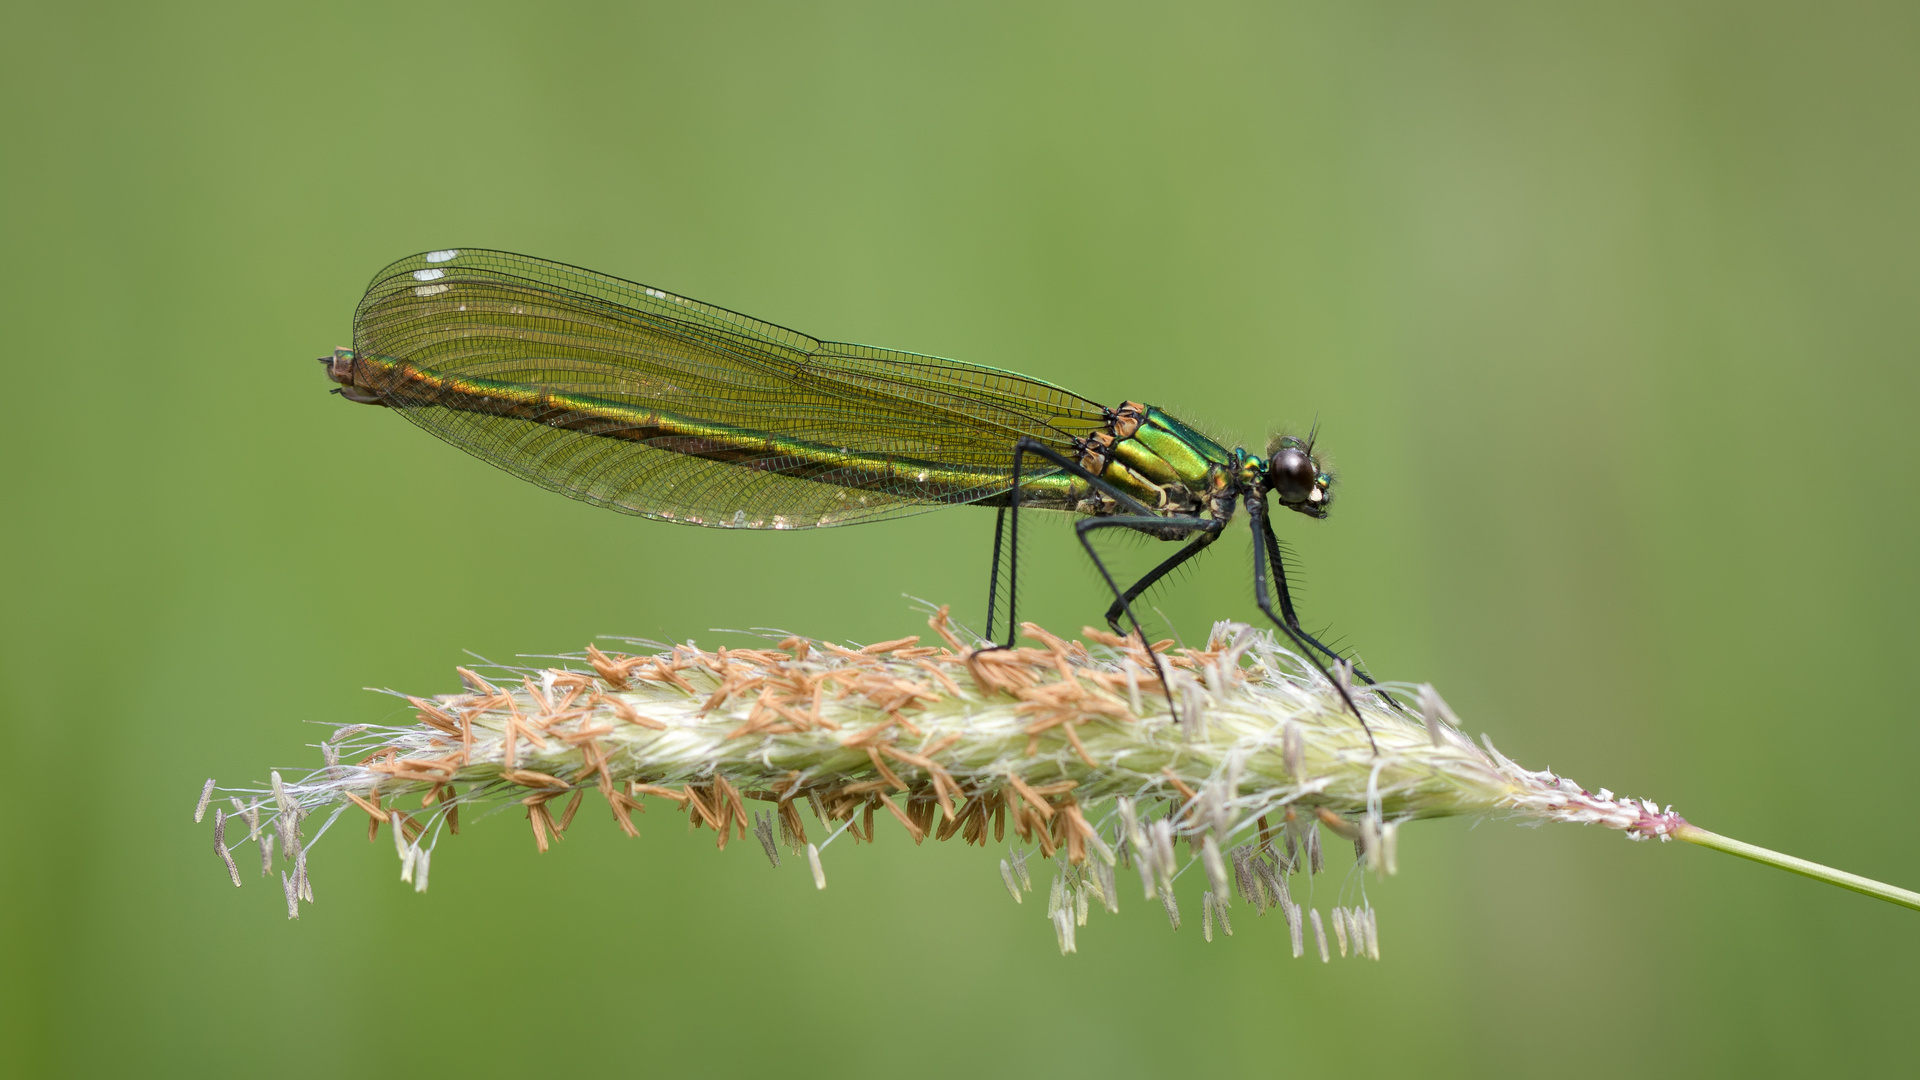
(1292, 475)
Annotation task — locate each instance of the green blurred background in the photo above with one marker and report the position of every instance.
(1606, 312)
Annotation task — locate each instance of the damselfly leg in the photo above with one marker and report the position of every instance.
(1257, 518)
(1007, 523)
(1194, 547)
(1278, 561)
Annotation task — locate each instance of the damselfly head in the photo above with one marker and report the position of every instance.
(1295, 477)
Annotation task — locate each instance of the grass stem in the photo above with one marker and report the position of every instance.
(1694, 834)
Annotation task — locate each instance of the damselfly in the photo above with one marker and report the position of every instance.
(633, 398)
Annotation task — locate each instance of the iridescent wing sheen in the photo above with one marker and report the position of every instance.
(520, 323)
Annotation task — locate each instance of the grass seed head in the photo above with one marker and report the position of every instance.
(1071, 744)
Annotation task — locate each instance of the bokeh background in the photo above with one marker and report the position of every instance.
(1607, 313)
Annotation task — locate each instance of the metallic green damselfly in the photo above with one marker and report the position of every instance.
(634, 398)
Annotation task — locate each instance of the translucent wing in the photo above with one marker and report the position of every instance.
(633, 398)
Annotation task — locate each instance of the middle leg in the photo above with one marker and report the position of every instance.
(1124, 600)
(1193, 548)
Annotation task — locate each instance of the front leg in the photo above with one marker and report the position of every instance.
(1286, 603)
(1257, 518)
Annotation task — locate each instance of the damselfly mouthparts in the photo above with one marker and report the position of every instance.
(653, 404)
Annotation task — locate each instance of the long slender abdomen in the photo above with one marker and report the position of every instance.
(404, 386)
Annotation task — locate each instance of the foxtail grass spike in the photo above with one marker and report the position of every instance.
(1068, 745)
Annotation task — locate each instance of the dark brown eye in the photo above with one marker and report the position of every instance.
(1291, 475)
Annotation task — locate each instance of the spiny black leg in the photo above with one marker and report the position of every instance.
(1084, 530)
(1020, 450)
(1194, 547)
(1286, 602)
(993, 579)
(1293, 620)
(1257, 518)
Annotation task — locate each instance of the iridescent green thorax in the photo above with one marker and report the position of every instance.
(1158, 460)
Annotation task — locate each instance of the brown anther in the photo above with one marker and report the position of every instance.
(942, 781)
(371, 806)
(623, 808)
(1033, 798)
(887, 774)
(612, 672)
(973, 828)
(540, 698)
(527, 727)
(737, 808)
(1042, 835)
(879, 647)
(1076, 845)
(627, 712)
(1079, 747)
(850, 654)
(433, 716)
(922, 812)
(800, 721)
(939, 622)
(913, 830)
(790, 815)
(542, 823)
(583, 736)
(697, 808)
(1344, 829)
(906, 758)
(952, 822)
(945, 680)
(1186, 792)
(533, 779)
(670, 674)
(864, 787)
(634, 787)
(911, 690)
